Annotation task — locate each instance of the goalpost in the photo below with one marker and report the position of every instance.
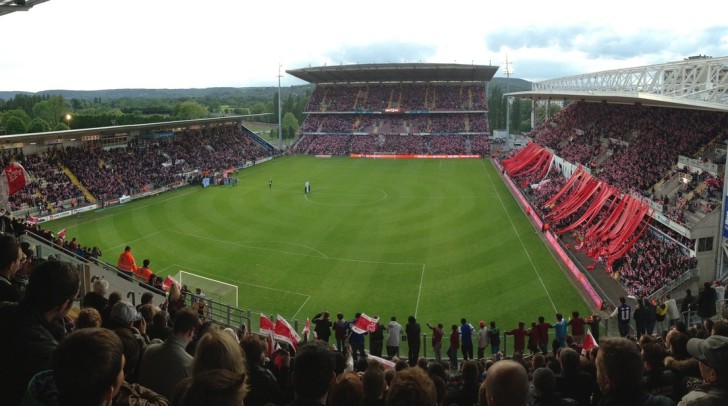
(213, 289)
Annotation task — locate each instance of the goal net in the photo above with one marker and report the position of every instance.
(213, 289)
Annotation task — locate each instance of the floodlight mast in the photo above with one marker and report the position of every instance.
(280, 122)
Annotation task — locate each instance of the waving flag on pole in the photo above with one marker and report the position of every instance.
(589, 342)
(383, 362)
(12, 179)
(306, 330)
(267, 329)
(365, 324)
(286, 333)
(62, 234)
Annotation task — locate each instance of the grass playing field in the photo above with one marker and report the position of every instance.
(438, 239)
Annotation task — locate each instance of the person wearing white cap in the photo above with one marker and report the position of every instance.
(712, 354)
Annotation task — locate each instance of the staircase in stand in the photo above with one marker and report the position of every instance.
(89, 197)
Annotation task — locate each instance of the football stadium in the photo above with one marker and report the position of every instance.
(399, 228)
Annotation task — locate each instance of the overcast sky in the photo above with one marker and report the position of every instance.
(109, 44)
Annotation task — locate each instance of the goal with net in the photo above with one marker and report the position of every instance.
(213, 289)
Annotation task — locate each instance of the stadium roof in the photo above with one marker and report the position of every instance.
(396, 72)
(9, 6)
(695, 83)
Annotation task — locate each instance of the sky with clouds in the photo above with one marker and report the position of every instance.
(110, 44)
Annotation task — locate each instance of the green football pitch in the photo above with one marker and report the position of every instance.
(437, 239)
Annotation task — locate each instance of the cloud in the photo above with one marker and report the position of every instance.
(380, 52)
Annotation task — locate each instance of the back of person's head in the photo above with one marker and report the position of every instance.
(218, 350)
(313, 370)
(100, 286)
(148, 311)
(346, 390)
(544, 381)
(9, 252)
(373, 383)
(619, 365)
(677, 343)
(147, 297)
(653, 355)
(559, 316)
(51, 285)
(469, 373)
(114, 297)
(88, 317)
(411, 386)
(254, 348)
(720, 328)
(216, 387)
(539, 361)
(401, 365)
(340, 316)
(622, 299)
(569, 360)
(411, 319)
(507, 384)
(185, 321)
(88, 367)
(132, 351)
(463, 321)
(437, 369)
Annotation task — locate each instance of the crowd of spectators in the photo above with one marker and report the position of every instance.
(141, 165)
(405, 96)
(634, 148)
(163, 353)
(393, 144)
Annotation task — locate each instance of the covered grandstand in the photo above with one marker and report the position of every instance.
(396, 108)
(656, 133)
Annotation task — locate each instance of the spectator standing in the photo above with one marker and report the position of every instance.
(483, 339)
(543, 334)
(623, 313)
(650, 317)
(394, 334)
(687, 307)
(264, 384)
(560, 329)
(376, 339)
(519, 337)
(706, 302)
(673, 311)
(577, 327)
(466, 334)
(322, 326)
(494, 337)
(661, 311)
(340, 330)
(452, 351)
(356, 340)
(437, 335)
(413, 338)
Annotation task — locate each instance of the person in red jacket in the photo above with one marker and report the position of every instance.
(519, 337)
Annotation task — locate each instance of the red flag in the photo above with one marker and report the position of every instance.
(32, 220)
(307, 329)
(267, 329)
(365, 324)
(383, 362)
(62, 234)
(589, 342)
(286, 333)
(168, 281)
(15, 178)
